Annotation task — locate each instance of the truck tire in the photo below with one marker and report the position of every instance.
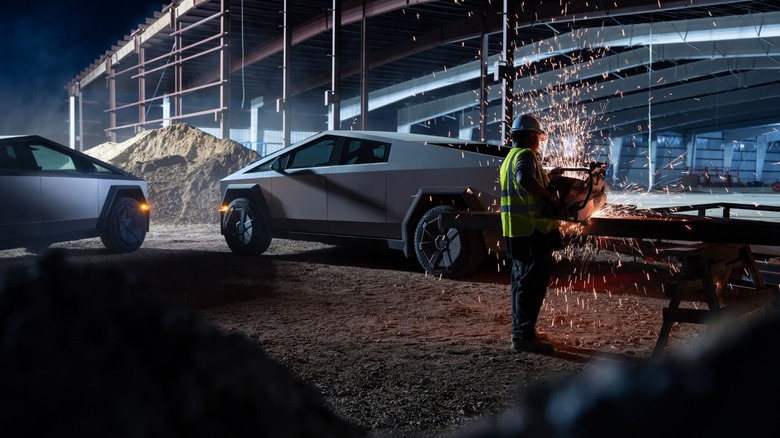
(246, 232)
(126, 225)
(451, 254)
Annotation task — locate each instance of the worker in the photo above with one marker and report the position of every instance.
(530, 237)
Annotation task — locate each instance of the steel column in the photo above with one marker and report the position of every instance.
(508, 47)
(364, 70)
(224, 60)
(762, 143)
(111, 101)
(652, 154)
(81, 120)
(141, 87)
(615, 149)
(178, 69)
(483, 88)
(652, 146)
(690, 149)
(72, 121)
(334, 121)
(284, 105)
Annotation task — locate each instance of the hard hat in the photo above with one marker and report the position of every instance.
(527, 122)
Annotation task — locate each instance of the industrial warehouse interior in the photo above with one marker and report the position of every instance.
(696, 78)
(661, 306)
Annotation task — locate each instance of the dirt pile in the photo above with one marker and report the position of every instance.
(183, 166)
(97, 353)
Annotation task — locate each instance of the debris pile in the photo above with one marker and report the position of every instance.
(183, 166)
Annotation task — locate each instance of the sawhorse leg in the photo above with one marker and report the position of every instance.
(711, 265)
(694, 268)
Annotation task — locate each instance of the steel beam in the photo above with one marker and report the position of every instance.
(668, 223)
(224, 60)
(334, 118)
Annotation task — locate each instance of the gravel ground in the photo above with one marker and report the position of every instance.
(391, 350)
(184, 338)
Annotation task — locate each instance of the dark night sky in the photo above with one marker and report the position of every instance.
(46, 43)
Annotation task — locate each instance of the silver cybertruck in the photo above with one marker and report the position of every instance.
(51, 193)
(435, 198)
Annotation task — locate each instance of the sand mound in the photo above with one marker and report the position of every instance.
(182, 165)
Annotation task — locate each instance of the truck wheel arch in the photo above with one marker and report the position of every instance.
(462, 198)
(253, 193)
(115, 193)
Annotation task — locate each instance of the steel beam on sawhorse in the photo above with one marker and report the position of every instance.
(706, 270)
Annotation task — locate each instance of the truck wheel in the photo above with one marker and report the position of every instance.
(245, 230)
(449, 254)
(125, 229)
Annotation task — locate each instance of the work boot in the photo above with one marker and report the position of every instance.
(533, 345)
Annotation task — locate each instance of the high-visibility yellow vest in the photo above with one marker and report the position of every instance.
(521, 212)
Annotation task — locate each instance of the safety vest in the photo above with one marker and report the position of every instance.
(521, 212)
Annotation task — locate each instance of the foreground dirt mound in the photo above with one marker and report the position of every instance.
(183, 166)
(90, 352)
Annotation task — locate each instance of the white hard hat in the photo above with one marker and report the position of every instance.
(527, 122)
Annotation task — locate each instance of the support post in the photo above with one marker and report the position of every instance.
(72, 121)
(762, 142)
(166, 110)
(178, 71)
(141, 86)
(224, 59)
(652, 154)
(334, 113)
(615, 149)
(364, 71)
(690, 156)
(254, 124)
(284, 105)
(507, 81)
(80, 136)
(483, 89)
(730, 142)
(652, 145)
(111, 101)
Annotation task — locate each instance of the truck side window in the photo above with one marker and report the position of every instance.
(364, 152)
(314, 155)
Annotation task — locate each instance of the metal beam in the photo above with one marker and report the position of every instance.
(679, 110)
(334, 116)
(352, 12)
(455, 32)
(658, 224)
(284, 104)
(693, 39)
(224, 60)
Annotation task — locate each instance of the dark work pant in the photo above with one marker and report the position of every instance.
(531, 266)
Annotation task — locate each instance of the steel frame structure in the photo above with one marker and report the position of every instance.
(202, 41)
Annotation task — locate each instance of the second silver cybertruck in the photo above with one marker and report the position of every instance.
(368, 187)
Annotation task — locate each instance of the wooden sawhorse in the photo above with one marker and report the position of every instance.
(707, 268)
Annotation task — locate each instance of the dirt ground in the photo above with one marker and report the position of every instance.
(391, 349)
